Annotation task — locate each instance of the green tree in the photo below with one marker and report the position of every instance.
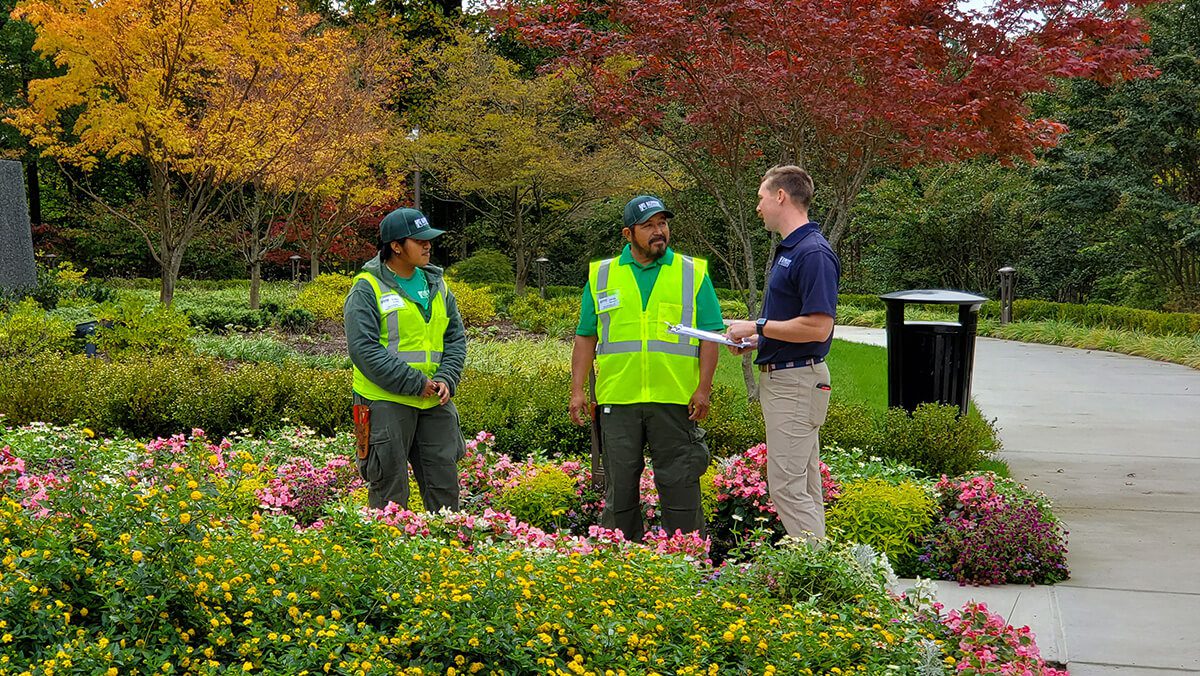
(20, 65)
(1130, 165)
(516, 151)
(950, 226)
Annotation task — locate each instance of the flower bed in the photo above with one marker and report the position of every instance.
(254, 554)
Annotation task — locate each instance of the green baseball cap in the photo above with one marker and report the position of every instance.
(406, 222)
(642, 207)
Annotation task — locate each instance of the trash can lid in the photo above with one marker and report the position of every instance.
(934, 296)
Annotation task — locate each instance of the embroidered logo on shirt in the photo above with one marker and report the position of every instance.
(785, 262)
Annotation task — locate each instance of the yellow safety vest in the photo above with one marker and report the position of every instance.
(405, 333)
(637, 360)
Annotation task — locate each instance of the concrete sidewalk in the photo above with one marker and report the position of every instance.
(1115, 442)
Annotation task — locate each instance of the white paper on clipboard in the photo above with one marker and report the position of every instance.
(712, 337)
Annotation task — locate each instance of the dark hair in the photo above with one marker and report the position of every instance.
(793, 180)
(385, 249)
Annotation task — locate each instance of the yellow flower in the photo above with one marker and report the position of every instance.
(196, 495)
(185, 518)
(87, 432)
(137, 556)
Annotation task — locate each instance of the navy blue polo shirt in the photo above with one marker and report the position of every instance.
(803, 280)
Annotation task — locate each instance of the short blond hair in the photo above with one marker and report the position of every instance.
(793, 180)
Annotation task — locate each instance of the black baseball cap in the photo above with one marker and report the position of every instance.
(641, 208)
(406, 222)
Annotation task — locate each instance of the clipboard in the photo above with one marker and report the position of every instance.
(710, 336)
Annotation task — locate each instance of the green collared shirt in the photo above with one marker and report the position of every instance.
(708, 308)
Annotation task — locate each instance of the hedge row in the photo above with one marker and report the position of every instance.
(1093, 315)
(165, 395)
(527, 411)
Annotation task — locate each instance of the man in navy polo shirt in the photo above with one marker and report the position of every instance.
(792, 337)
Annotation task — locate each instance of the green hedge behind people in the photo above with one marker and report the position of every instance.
(651, 386)
(792, 337)
(408, 347)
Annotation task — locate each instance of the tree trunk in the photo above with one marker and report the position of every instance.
(518, 243)
(172, 258)
(748, 376)
(255, 283)
(314, 265)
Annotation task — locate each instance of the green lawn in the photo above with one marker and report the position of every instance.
(858, 372)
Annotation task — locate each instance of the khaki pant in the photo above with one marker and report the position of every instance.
(679, 456)
(429, 439)
(794, 404)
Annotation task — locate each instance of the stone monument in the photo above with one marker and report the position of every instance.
(17, 268)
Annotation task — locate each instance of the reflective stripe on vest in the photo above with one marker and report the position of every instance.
(637, 360)
(404, 332)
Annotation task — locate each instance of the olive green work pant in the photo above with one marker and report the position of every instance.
(677, 453)
(429, 439)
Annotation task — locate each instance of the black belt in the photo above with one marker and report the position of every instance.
(807, 361)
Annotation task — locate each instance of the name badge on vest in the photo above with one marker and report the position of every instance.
(390, 301)
(608, 300)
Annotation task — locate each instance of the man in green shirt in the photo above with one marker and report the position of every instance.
(652, 385)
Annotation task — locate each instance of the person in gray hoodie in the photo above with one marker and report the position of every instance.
(408, 346)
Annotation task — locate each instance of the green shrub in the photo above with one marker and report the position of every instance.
(295, 320)
(1109, 316)
(502, 295)
(474, 304)
(325, 296)
(556, 317)
(164, 395)
(827, 575)
(863, 301)
(218, 317)
(527, 411)
(485, 267)
(27, 330)
(238, 347)
(708, 491)
(855, 464)
(732, 426)
(850, 424)
(936, 439)
(572, 292)
(734, 309)
(540, 498)
(523, 355)
(130, 328)
(892, 518)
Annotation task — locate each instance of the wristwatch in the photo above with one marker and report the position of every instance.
(760, 325)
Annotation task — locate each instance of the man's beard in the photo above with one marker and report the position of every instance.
(650, 252)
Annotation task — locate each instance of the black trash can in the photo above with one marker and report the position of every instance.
(931, 361)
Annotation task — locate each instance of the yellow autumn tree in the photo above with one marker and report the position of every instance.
(518, 151)
(205, 94)
(338, 126)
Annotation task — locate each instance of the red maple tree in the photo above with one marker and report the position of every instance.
(727, 87)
